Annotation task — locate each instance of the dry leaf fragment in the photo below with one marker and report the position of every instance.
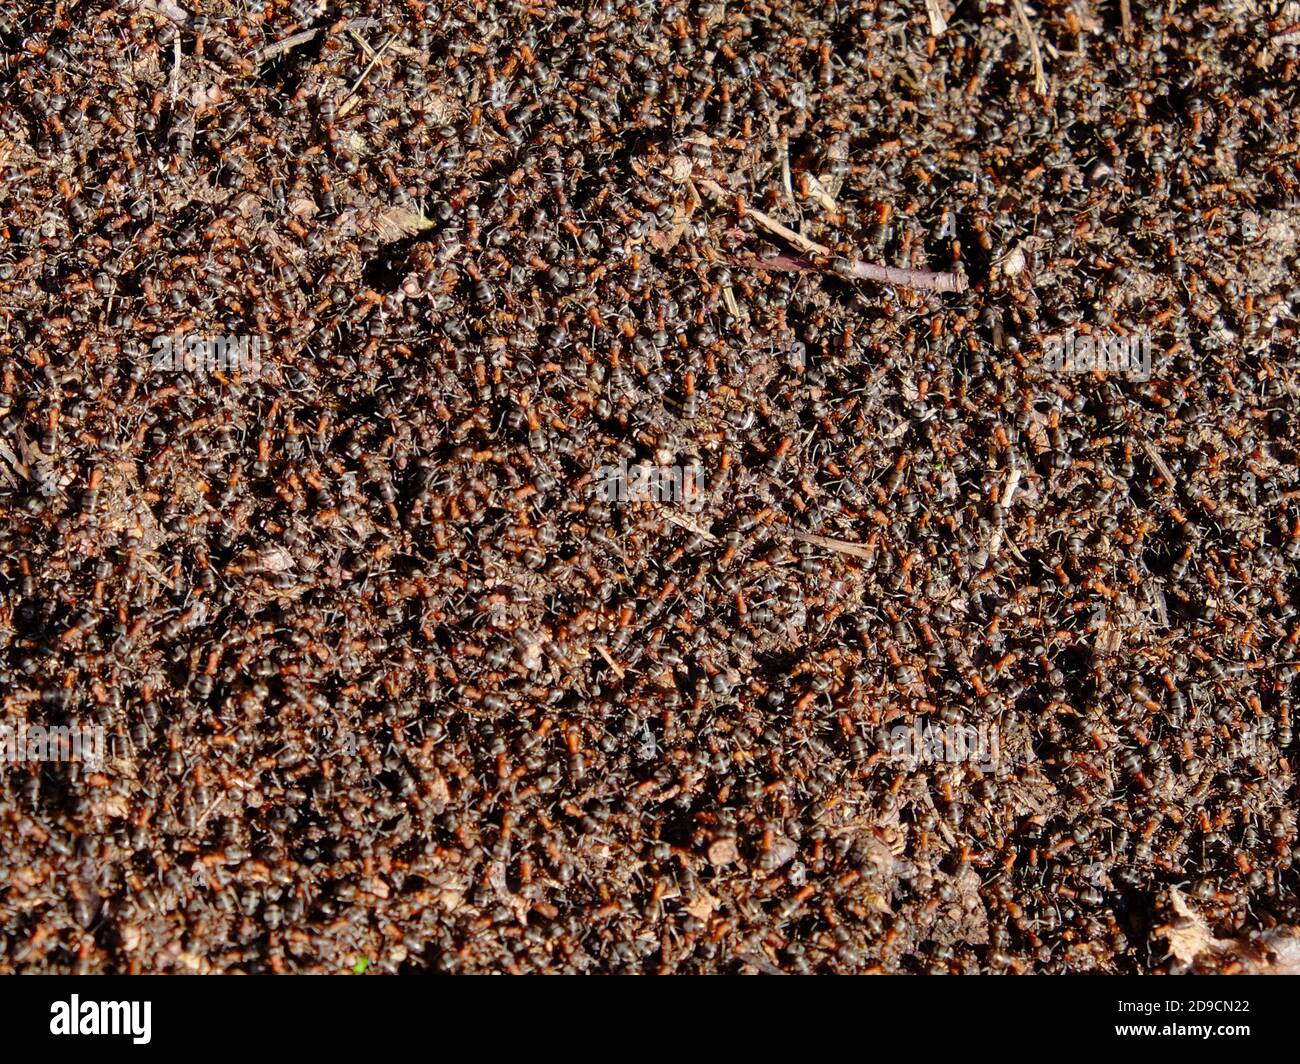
(723, 852)
(1192, 944)
(702, 906)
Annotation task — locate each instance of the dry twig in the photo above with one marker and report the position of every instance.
(176, 66)
(1171, 483)
(766, 221)
(618, 669)
(270, 51)
(854, 269)
(1040, 79)
(840, 546)
(352, 99)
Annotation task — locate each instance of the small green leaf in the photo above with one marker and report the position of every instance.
(360, 967)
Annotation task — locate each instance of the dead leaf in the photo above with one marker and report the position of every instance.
(667, 239)
(702, 906)
(723, 852)
(678, 169)
(393, 223)
(270, 559)
(1192, 944)
(438, 789)
(780, 852)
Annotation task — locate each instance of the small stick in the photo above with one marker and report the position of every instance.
(767, 967)
(928, 279)
(766, 221)
(856, 269)
(352, 99)
(729, 297)
(269, 51)
(776, 263)
(176, 65)
(618, 669)
(785, 175)
(1008, 495)
(1014, 549)
(1013, 482)
(841, 546)
(852, 268)
(1040, 79)
(1125, 20)
(212, 805)
(361, 42)
(1171, 482)
(682, 521)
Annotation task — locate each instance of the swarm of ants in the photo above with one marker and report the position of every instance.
(382, 672)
